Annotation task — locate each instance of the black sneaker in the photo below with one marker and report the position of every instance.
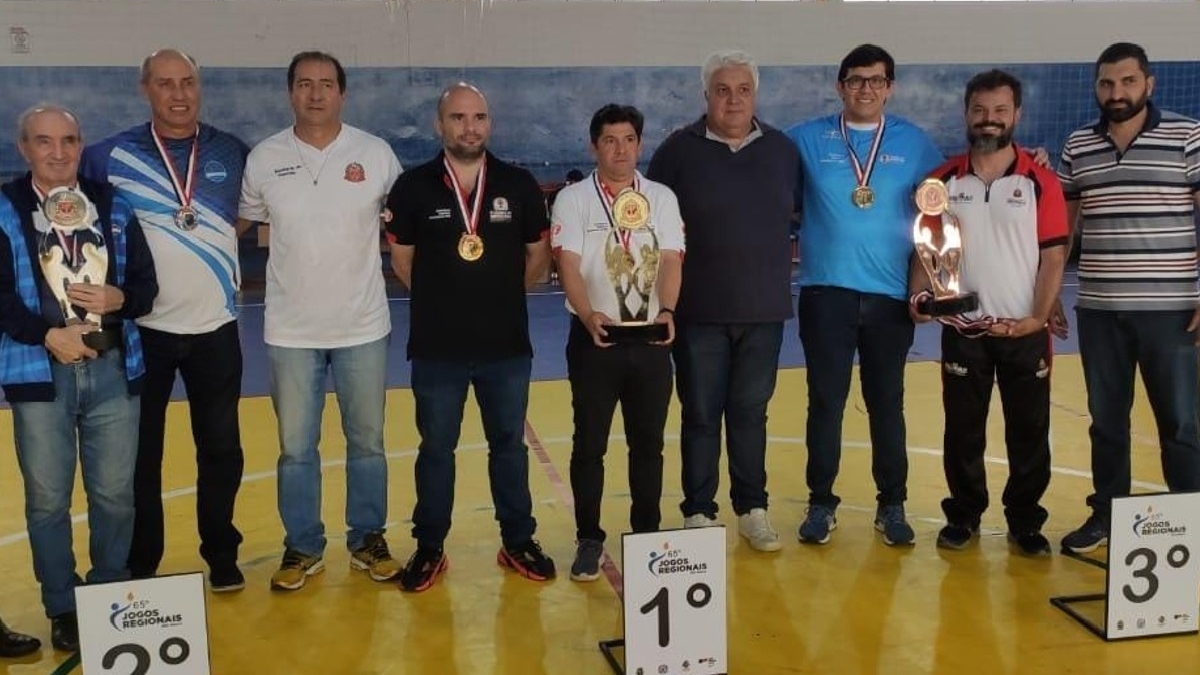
(587, 560)
(226, 578)
(423, 569)
(64, 632)
(1031, 543)
(527, 560)
(956, 536)
(1091, 535)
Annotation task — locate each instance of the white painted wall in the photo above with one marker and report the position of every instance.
(470, 33)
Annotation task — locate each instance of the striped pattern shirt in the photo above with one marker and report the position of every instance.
(1136, 214)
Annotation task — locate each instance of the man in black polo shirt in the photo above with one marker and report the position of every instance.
(469, 234)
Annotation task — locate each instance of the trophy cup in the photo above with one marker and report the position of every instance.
(937, 237)
(633, 277)
(73, 252)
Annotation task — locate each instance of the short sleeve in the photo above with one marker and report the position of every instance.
(568, 223)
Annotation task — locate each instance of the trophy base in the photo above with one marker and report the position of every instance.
(102, 340)
(636, 333)
(955, 304)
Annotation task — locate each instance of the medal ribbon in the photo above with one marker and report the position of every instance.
(470, 218)
(862, 176)
(182, 190)
(623, 236)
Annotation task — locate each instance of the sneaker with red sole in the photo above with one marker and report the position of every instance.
(423, 569)
(528, 560)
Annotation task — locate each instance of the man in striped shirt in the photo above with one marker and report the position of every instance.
(1133, 182)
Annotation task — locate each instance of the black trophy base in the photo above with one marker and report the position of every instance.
(635, 333)
(103, 340)
(958, 304)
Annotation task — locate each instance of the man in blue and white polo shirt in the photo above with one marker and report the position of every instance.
(183, 179)
(1132, 183)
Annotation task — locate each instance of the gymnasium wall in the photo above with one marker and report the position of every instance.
(546, 66)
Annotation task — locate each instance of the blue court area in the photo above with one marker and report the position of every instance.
(548, 324)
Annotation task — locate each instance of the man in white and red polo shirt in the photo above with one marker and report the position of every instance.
(1014, 227)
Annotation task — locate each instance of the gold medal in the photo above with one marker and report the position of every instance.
(470, 247)
(631, 210)
(932, 197)
(66, 208)
(863, 196)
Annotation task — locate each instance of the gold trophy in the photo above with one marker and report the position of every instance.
(73, 252)
(937, 237)
(631, 256)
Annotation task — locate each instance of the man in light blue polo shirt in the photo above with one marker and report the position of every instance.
(858, 170)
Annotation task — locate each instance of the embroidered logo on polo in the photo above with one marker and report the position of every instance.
(500, 212)
(355, 173)
(1017, 198)
(215, 171)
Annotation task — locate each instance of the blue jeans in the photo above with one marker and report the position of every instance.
(92, 415)
(725, 371)
(502, 392)
(297, 380)
(1112, 344)
(834, 323)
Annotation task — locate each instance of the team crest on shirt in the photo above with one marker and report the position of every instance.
(1017, 198)
(215, 171)
(355, 173)
(500, 211)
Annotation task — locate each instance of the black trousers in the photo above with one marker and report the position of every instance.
(639, 378)
(1021, 369)
(211, 367)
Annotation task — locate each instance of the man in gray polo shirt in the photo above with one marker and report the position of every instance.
(1133, 182)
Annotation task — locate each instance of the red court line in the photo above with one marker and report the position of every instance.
(564, 495)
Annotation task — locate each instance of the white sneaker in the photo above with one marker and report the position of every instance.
(756, 529)
(699, 520)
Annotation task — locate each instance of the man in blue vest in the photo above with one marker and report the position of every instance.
(75, 271)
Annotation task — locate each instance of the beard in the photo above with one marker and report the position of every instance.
(989, 143)
(465, 153)
(1122, 109)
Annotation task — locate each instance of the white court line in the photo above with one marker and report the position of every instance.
(15, 537)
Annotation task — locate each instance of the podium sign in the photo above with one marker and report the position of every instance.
(1153, 566)
(674, 604)
(146, 627)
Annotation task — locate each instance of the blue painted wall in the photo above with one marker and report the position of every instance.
(541, 114)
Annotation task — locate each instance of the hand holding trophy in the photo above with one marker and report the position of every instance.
(937, 237)
(633, 278)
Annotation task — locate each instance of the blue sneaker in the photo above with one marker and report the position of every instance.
(1090, 536)
(817, 525)
(891, 522)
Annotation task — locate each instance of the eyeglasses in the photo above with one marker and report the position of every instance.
(857, 82)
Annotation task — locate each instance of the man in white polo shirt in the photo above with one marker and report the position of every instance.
(1014, 219)
(321, 184)
(590, 235)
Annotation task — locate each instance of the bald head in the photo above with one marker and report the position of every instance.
(166, 56)
(171, 84)
(457, 91)
(463, 122)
